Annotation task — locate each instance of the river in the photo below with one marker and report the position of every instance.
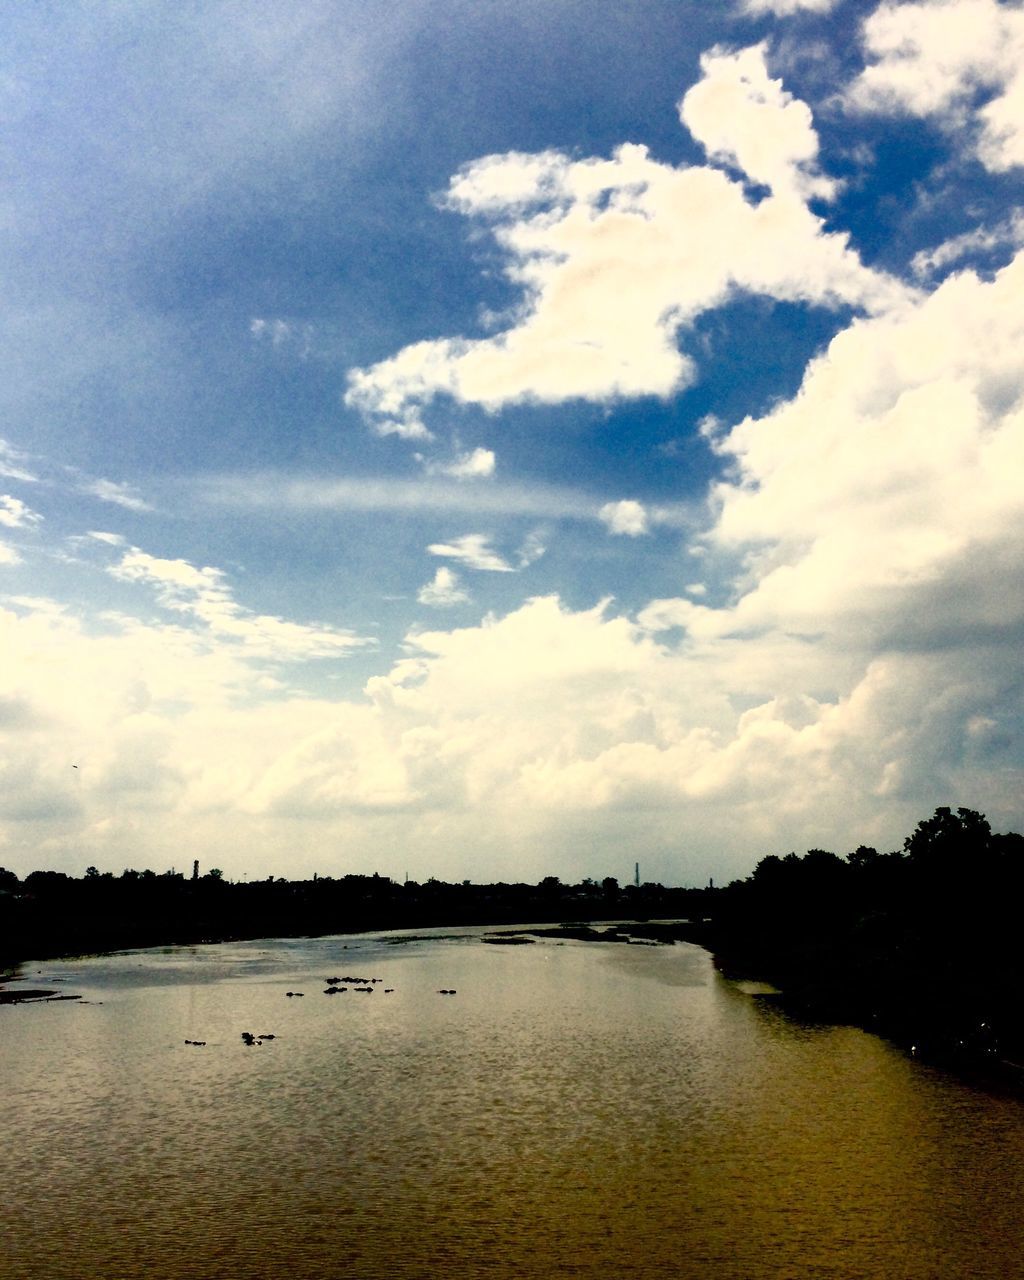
(574, 1109)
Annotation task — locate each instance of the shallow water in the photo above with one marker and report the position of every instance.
(576, 1109)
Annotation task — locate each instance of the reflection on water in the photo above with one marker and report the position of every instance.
(577, 1109)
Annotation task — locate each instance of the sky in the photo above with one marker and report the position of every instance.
(497, 440)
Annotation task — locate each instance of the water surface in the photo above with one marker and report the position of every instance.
(576, 1109)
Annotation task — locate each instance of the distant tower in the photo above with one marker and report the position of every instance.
(195, 869)
(636, 875)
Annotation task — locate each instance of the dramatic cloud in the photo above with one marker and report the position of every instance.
(818, 641)
(473, 550)
(961, 61)
(615, 258)
(884, 496)
(444, 589)
(865, 667)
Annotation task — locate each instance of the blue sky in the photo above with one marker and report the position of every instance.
(490, 441)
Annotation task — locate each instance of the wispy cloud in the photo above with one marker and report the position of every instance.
(473, 550)
(981, 240)
(785, 8)
(533, 546)
(281, 333)
(443, 590)
(373, 493)
(15, 514)
(11, 460)
(121, 495)
(204, 594)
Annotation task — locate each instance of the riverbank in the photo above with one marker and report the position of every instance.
(49, 915)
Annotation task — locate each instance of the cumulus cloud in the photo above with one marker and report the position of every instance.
(474, 465)
(121, 495)
(890, 479)
(15, 514)
(865, 663)
(626, 517)
(614, 258)
(875, 522)
(443, 589)
(473, 550)
(8, 555)
(204, 594)
(744, 118)
(961, 61)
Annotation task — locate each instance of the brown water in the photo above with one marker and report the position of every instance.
(575, 1110)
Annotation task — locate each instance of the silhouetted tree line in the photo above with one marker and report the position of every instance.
(49, 913)
(922, 944)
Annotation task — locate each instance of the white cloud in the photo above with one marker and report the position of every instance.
(15, 514)
(626, 517)
(279, 333)
(615, 258)
(891, 478)
(474, 550)
(121, 495)
(744, 118)
(275, 492)
(444, 589)
(110, 539)
(10, 464)
(204, 595)
(533, 547)
(936, 58)
(876, 524)
(473, 465)
(865, 667)
(8, 555)
(1009, 233)
(786, 8)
